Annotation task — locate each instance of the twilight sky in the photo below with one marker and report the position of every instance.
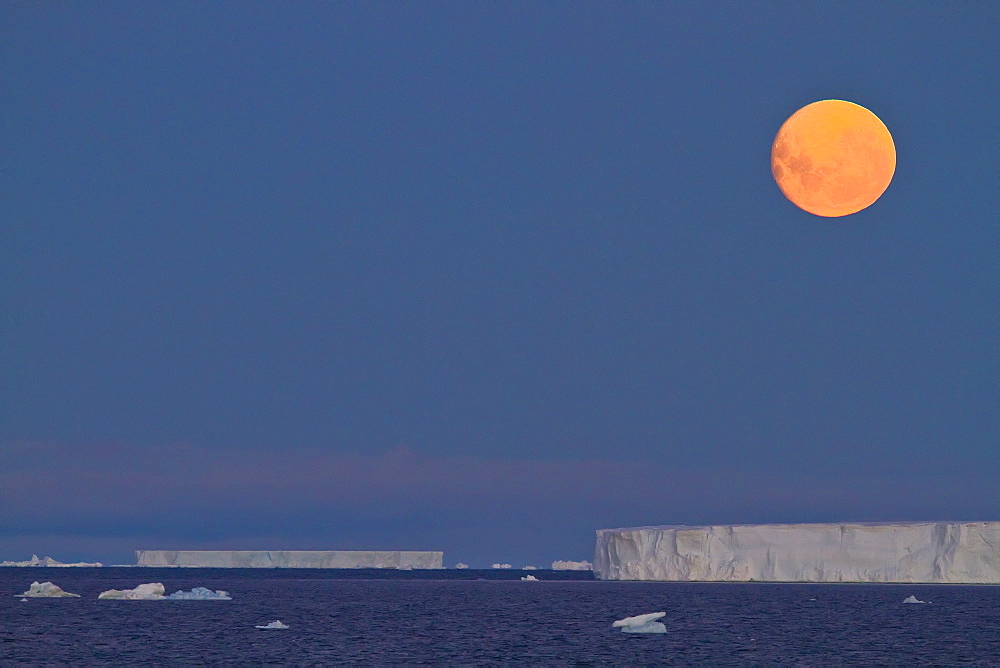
(484, 277)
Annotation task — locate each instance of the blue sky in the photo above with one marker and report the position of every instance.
(484, 277)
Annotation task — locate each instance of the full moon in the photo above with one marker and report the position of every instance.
(833, 158)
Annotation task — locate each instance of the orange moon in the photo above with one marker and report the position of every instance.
(833, 158)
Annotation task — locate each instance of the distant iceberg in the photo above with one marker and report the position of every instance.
(642, 623)
(276, 624)
(461, 565)
(291, 559)
(152, 591)
(912, 599)
(47, 590)
(572, 566)
(502, 566)
(48, 562)
(529, 568)
(529, 578)
(200, 594)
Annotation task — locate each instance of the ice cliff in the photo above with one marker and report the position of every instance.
(289, 559)
(933, 552)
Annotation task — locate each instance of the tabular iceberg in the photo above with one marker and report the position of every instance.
(560, 565)
(289, 559)
(931, 552)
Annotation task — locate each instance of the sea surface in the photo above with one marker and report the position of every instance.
(470, 617)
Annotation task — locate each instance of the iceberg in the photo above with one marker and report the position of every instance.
(290, 559)
(502, 566)
(49, 562)
(461, 565)
(276, 624)
(918, 552)
(642, 623)
(912, 599)
(200, 594)
(47, 590)
(572, 566)
(152, 591)
(529, 578)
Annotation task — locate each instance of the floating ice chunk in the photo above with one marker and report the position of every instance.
(529, 578)
(461, 565)
(501, 566)
(529, 568)
(572, 566)
(912, 599)
(200, 594)
(24, 600)
(47, 590)
(642, 623)
(152, 591)
(276, 624)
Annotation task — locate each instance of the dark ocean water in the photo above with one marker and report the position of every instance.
(487, 617)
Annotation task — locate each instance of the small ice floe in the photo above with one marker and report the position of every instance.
(912, 599)
(200, 594)
(529, 578)
(276, 624)
(642, 623)
(505, 566)
(152, 591)
(47, 590)
(461, 565)
(24, 600)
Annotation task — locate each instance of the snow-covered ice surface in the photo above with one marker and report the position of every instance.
(48, 562)
(929, 552)
(642, 623)
(276, 624)
(152, 591)
(47, 590)
(200, 594)
(400, 559)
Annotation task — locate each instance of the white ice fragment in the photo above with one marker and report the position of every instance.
(501, 566)
(152, 591)
(529, 568)
(276, 624)
(529, 578)
(461, 565)
(24, 600)
(47, 590)
(200, 594)
(642, 623)
(560, 565)
(912, 599)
